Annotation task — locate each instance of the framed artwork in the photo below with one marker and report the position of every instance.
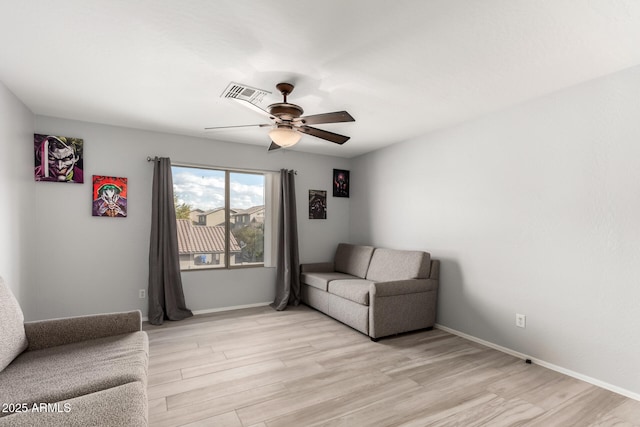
(109, 196)
(340, 183)
(317, 204)
(58, 158)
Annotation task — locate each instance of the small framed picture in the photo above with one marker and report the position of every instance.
(109, 196)
(340, 183)
(317, 204)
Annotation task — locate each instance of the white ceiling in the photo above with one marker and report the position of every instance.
(401, 68)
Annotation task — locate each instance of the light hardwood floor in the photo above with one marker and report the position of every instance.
(258, 367)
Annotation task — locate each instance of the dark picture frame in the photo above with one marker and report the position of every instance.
(58, 158)
(109, 196)
(317, 204)
(340, 183)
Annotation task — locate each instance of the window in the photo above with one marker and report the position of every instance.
(220, 217)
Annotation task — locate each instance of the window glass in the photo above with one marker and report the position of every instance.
(209, 200)
(247, 217)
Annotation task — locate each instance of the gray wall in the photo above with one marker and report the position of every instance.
(533, 210)
(91, 264)
(16, 194)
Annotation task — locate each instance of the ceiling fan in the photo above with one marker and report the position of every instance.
(288, 124)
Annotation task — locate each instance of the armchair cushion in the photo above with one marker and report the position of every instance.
(13, 339)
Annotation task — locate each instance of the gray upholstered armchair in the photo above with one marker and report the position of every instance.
(87, 370)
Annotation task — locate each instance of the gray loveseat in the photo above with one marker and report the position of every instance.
(77, 371)
(377, 291)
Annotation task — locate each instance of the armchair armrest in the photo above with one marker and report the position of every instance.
(54, 332)
(402, 287)
(317, 267)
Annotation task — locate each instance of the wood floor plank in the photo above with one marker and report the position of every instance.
(157, 406)
(589, 407)
(222, 377)
(187, 359)
(554, 392)
(628, 411)
(164, 377)
(205, 409)
(498, 412)
(297, 401)
(339, 408)
(260, 368)
(228, 419)
(284, 354)
(225, 384)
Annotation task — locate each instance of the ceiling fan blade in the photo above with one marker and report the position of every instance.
(258, 110)
(261, 125)
(273, 146)
(324, 134)
(335, 117)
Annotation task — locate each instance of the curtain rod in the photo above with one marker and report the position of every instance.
(186, 164)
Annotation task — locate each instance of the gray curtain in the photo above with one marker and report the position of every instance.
(166, 297)
(288, 265)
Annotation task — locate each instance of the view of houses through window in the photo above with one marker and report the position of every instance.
(220, 217)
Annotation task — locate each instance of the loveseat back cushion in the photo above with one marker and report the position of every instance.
(13, 339)
(353, 259)
(391, 264)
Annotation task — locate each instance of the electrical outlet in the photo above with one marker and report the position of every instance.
(521, 320)
(142, 294)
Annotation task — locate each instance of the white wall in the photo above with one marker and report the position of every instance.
(533, 210)
(16, 193)
(93, 264)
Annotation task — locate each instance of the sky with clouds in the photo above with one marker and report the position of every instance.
(204, 188)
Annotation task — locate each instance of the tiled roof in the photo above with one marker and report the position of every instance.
(194, 239)
(250, 211)
(211, 211)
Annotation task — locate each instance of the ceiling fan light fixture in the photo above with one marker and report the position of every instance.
(285, 136)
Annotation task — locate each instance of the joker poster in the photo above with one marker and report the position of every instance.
(58, 158)
(109, 196)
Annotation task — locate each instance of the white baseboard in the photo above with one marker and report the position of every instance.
(235, 307)
(216, 310)
(544, 364)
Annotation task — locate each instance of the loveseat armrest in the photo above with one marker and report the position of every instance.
(317, 267)
(402, 287)
(67, 330)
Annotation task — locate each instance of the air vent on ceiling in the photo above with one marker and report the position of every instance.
(244, 92)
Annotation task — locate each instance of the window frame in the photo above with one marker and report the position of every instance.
(269, 213)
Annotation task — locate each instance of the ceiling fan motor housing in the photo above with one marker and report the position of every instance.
(285, 111)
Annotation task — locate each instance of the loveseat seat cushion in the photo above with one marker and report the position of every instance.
(353, 259)
(67, 371)
(356, 290)
(391, 264)
(321, 280)
(13, 339)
